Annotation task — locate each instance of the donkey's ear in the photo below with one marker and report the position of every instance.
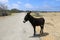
(29, 12)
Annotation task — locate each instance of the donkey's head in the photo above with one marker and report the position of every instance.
(27, 17)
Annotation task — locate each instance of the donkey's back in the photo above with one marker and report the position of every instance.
(38, 21)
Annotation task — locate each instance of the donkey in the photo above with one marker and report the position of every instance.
(35, 22)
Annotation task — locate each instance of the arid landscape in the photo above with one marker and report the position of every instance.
(13, 28)
(52, 25)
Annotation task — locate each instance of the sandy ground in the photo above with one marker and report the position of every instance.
(13, 28)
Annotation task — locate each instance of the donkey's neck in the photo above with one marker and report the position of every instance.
(31, 18)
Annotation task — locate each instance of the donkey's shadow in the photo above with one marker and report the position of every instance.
(40, 35)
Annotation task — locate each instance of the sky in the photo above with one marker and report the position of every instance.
(39, 5)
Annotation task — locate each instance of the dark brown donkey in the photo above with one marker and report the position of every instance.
(35, 22)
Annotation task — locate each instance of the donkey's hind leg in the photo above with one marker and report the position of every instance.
(42, 27)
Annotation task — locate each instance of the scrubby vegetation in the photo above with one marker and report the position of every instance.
(4, 11)
(9, 12)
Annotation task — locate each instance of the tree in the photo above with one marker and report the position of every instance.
(3, 9)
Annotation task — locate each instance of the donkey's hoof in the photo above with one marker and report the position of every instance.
(41, 33)
(33, 34)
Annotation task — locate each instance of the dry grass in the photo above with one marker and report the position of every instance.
(52, 25)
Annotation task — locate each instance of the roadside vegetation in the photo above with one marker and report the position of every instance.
(4, 11)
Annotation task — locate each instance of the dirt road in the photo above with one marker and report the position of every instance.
(13, 28)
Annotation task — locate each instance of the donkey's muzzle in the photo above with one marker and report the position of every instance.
(24, 21)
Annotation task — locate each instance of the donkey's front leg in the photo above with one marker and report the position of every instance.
(34, 30)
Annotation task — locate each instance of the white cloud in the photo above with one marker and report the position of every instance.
(46, 6)
(15, 6)
(3, 1)
(27, 5)
(19, 2)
